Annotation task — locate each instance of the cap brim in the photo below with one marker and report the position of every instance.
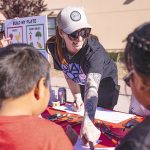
(76, 26)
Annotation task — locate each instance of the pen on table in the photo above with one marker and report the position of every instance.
(107, 130)
(109, 137)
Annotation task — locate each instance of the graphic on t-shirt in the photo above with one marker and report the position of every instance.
(74, 72)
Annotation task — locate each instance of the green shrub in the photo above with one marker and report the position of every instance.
(116, 56)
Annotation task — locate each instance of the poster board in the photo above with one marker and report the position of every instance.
(31, 30)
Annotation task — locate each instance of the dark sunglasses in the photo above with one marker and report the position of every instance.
(128, 77)
(84, 33)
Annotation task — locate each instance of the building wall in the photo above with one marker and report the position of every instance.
(112, 20)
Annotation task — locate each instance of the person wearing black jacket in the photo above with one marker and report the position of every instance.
(89, 72)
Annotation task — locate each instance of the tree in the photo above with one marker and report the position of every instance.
(127, 2)
(22, 8)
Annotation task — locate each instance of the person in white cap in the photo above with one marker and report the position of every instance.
(90, 73)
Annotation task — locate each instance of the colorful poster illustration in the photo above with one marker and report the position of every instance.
(35, 36)
(30, 30)
(15, 34)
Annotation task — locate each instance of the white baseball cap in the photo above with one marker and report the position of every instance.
(71, 19)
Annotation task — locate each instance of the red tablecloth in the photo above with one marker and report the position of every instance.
(75, 120)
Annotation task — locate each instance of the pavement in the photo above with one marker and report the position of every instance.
(123, 100)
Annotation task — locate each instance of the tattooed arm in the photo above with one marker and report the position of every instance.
(88, 131)
(91, 94)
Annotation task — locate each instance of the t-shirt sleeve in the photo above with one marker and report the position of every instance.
(97, 57)
(96, 63)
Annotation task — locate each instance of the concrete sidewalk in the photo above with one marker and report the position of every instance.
(124, 96)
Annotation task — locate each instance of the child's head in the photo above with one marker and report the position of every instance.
(137, 51)
(24, 71)
(137, 58)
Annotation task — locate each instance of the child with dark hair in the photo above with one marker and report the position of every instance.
(137, 59)
(24, 94)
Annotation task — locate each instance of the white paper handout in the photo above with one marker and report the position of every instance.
(101, 113)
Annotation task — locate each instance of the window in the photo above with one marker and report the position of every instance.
(51, 26)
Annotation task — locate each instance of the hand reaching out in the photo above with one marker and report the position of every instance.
(78, 105)
(89, 133)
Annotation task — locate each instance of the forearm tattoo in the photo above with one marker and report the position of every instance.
(93, 80)
(91, 94)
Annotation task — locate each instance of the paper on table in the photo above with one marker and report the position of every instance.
(101, 113)
(68, 108)
(79, 146)
(111, 116)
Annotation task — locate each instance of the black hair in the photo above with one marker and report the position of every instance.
(21, 67)
(137, 50)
